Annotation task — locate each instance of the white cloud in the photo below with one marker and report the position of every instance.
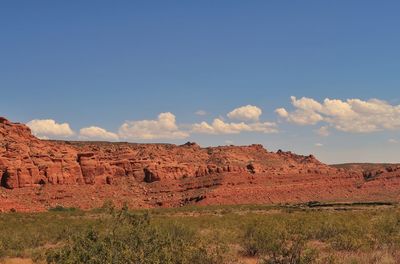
(351, 115)
(219, 126)
(305, 114)
(246, 113)
(96, 133)
(164, 127)
(249, 115)
(201, 113)
(48, 128)
(282, 112)
(300, 117)
(319, 145)
(393, 141)
(203, 128)
(323, 131)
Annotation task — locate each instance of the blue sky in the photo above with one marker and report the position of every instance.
(109, 63)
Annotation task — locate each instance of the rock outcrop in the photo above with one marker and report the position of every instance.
(36, 174)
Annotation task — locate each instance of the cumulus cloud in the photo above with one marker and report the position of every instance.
(164, 127)
(305, 113)
(48, 128)
(97, 133)
(282, 112)
(351, 115)
(246, 113)
(219, 126)
(249, 115)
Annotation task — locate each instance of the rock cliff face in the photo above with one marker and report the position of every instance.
(37, 174)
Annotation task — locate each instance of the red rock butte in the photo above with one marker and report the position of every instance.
(38, 174)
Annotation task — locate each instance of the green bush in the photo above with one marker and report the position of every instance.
(347, 241)
(351, 235)
(133, 238)
(60, 208)
(276, 241)
(252, 241)
(387, 231)
(2, 250)
(309, 256)
(328, 230)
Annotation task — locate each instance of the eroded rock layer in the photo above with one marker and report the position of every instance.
(36, 174)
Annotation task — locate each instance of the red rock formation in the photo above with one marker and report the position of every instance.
(36, 174)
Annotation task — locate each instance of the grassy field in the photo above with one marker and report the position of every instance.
(309, 233)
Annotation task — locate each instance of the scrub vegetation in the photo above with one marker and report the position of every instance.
(311, 233)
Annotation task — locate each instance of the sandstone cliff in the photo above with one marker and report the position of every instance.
(36, 174)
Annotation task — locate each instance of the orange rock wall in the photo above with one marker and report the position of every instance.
(36, 172)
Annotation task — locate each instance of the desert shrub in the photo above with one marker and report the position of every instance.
(2, 251)
(386, 231)
(277, 241)
(343, 231)
(60, 208)
(327, 230)
(347, 241)
(351, 235)
(20, 233)
(309, 256)
(201, 235)
(252, 241)
(133, 238)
